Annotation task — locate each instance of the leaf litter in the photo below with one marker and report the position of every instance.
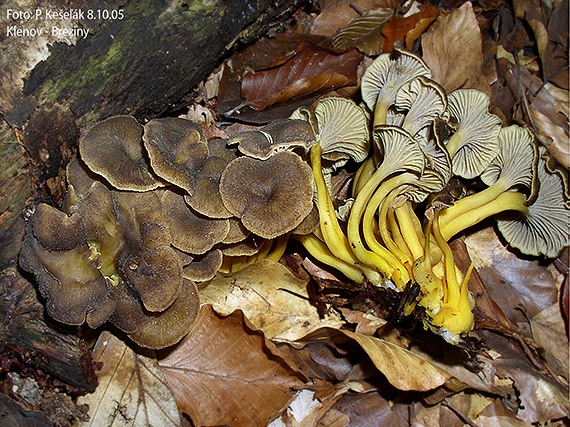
(261, 352)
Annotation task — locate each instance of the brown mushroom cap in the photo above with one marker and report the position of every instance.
(278, 135)
(270, 196)
(191, 232)
(66, 267)
(206, 198)
(113, 149)
(205, 267)
(237, 232)
(176, 148)
(246, 247)
(148, 264)
(170, 326)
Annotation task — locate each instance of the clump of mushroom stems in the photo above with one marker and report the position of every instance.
(388, 240)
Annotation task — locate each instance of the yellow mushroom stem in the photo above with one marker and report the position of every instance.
(278, 248)
(411, 229)
(472, 202)
(363, 174)
(332, 234)
(320, 251)
(431, 285)
(382, 227)
(510, 200)
(383, 260)
(455, 317)
(380, 113)
(396, 233)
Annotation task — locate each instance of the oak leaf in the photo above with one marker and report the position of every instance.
(272, 299)
(224, 373)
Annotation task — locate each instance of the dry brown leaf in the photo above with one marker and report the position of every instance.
(132, 389)
(272, 299)
(453, 50)
(407, 29)
(521, 287)
(539, 397)
(364, 32)
(371, 410)
(550, 334)
(224, 373)
(319, 360)
(311, 70)
(403, 369)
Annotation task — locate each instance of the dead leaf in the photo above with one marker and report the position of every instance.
(407, 29)
(371, 410)
(132, 389)
(364, 32)
(224, 373)
(319, 360)
(550, 334)
(272, 299)
(403, 369)
(312, 70)
(453, 51)
(521, 287)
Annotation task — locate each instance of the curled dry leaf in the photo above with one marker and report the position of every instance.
(272, 299)
(132, 389)
(364, 32)
(408, 29)
(224, 373)
(453, 51)
(311, 70)
(403, 369)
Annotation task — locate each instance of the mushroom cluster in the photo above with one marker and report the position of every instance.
(407, 203)
(152, 210)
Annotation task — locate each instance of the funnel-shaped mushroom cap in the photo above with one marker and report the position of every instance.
(475, 142)
(399, 150)
(148, 264)
(170, 326)
(270, 196)
(205, 267)
(385, 76)
(237, 231)
(343, 129)
(176, 147)
(436, 156)
(191, 232)
(422, 100)
(278, 135)
(515, 164)
(113, 149)
(544, 229)
(205, 198)
(66, 267)
(78, 177)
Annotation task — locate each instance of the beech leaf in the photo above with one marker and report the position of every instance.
(364, 32)
(311, 70)
(403, 369)
(454, 51)
(224, 373)
(132, 389)
(272, 299)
